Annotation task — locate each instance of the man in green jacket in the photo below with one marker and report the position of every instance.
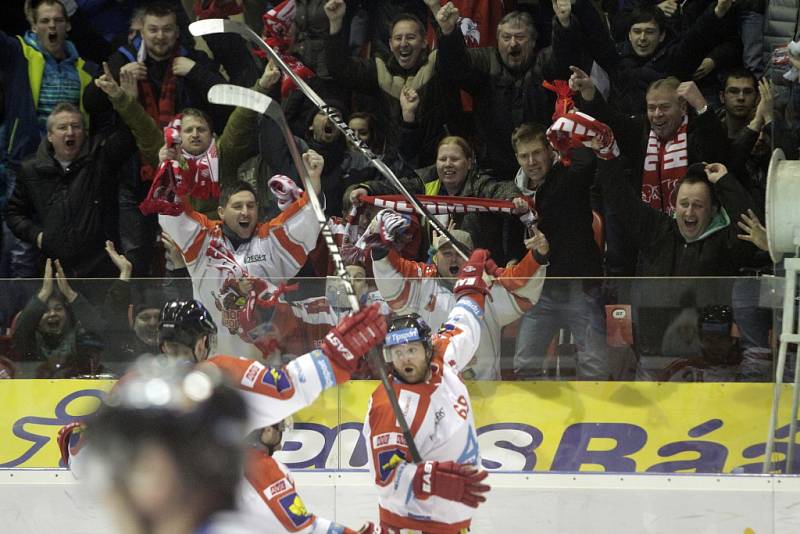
(220, 156)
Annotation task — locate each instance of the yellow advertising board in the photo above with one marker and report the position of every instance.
(522, 426)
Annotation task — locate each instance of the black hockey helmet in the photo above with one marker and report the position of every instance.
(188, 410)
(405, 329)
(184, 322)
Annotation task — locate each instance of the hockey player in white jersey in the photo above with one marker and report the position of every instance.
(187, 334)
(427, 289)
(235, 260)
(441, 493)
(271, 495)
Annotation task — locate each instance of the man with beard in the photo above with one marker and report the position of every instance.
(411, 65)
(440, 492)
(505, 82)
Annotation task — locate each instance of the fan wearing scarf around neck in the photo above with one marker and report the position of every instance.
(190, 160)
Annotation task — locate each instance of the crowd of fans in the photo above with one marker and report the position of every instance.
(622, 141)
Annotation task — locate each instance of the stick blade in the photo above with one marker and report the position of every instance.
(235, 95)
(207, 26)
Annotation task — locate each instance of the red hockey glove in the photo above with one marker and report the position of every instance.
(65, 434)
(470, 277)
(451, 481)
(352, 338)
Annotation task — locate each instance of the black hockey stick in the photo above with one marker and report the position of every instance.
(207, 26)
(234, 95)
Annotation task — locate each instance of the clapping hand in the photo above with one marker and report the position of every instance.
(63, 284)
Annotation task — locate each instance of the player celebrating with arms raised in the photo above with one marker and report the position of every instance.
(440, 494)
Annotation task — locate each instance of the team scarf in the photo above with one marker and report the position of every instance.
(440, 204)
(278, 22)
(163, 109)
(665, 165)
(196, 177)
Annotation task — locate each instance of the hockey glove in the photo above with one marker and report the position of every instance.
(352, 338)
(451, 481)
(470, 278)
(64, 438)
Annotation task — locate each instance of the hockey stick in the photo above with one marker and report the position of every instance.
(234, 95)
(204, 27)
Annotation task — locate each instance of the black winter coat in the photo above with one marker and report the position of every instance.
(504, 99)
(74, 208)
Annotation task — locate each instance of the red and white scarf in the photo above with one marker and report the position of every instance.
(441, 205)
(278, 23)
(196, 177)
(665, 165)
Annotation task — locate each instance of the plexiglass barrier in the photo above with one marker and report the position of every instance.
(615, 375)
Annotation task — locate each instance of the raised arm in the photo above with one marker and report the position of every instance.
(272, 394)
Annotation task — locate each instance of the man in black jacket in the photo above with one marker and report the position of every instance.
(650, 53)
(64, 198)
(562, 200)
(658, 147)
(411, 65)
(505, 82)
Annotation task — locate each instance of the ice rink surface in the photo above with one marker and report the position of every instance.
(40, 501)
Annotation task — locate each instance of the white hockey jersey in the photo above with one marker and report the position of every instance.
(439, 413)
(276, 252)
(269, 492)
(415, 287)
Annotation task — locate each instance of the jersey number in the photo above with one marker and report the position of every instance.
(461, 407)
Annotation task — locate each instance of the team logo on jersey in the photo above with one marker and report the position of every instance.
(387, 439)
(249, 378)
(253, 258)
(277, 488)
(295, 509)
(278, 379)
(388, 460)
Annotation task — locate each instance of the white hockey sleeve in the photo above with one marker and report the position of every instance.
(400, 282)
(460, 335)
(288, 238)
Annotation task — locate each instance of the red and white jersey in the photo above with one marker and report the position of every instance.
(415, 287)
(300, 326)
(269, 493)
(276, 252)
(439, 414)
(274, 393)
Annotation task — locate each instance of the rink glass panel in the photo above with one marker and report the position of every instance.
(681, 384)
